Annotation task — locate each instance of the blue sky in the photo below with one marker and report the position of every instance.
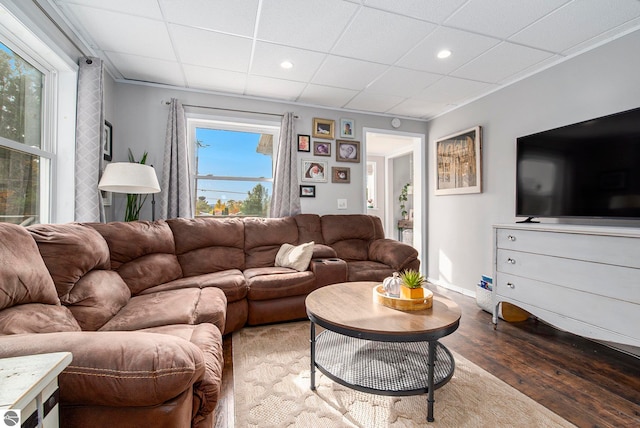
(230, 153)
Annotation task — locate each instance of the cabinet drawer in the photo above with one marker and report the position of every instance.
(606, 313)
(612, 250)
(617, 282)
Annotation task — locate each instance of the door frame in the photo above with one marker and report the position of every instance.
(418, 148)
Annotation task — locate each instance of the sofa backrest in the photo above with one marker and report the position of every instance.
(77, 258)
(350, 235)
(207, 245)
(142, 252)
(309, 228)
(28, 298)
(263, 237)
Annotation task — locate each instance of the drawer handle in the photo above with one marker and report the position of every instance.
(511, 285)
(511, 238)
(511, 261)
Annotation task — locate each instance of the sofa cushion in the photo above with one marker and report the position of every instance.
(263, 238)
(231, 281)
(206, 245)
(96, 298)
(295, 256)
(142, 252)
(368, 271)
(277, 282)
(69, 252)
(350, 235)
(184, 306)
(23, 274)
(36, 318)
(309, 228)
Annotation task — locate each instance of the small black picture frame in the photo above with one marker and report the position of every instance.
(107, 148)
(307, 191)
(304, 143)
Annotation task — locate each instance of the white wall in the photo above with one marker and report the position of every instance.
(140, 120)
(596, 83)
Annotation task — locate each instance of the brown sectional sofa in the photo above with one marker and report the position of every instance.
(143, 305)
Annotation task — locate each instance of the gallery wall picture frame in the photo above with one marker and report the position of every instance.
(323, 128)
(107, 198)
(340, 174)
(107, 148)
(307, 191)
(304, 143)
(347, 128)
(315, 171)
(458, 162)
(321, 148)
(347, 151)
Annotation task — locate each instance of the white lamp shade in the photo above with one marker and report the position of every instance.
(129, 177)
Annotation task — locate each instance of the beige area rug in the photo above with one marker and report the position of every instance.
(271, 389)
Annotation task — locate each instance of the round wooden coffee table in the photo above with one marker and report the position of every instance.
(372, 348)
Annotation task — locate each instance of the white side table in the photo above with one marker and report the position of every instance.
(30, 384)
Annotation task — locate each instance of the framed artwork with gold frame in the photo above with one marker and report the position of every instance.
(323, 128)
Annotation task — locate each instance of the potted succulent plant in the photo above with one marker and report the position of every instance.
(412, 283)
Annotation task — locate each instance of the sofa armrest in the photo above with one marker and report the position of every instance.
(121, 369)
(395, 254)
(321, 251)
(328, 271)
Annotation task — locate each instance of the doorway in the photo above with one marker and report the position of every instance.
(395, 160)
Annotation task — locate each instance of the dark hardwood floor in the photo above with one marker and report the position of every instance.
(587, 383)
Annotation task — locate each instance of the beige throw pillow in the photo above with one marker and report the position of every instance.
(295, 257)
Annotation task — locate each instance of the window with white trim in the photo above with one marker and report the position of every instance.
(233, 167)
(25, 156)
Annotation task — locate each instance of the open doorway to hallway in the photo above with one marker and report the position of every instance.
(396, 161)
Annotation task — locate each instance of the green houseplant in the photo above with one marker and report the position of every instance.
(412, 282)
(402, 199)
(135, 201)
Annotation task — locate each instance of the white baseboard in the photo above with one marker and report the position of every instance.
(452, 287)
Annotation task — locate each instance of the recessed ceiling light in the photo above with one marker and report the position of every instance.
(286, 65)
(444, 53)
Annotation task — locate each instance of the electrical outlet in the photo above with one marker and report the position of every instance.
(342, 204)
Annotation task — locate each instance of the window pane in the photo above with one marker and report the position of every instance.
(19, 187)
(20, 99)
(227, 197)
(234, 154)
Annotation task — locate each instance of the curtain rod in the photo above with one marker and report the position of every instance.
(231, 109)
(62, 31)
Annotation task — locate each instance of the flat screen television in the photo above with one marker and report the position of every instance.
(588, 169)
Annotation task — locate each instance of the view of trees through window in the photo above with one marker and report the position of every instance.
(234, 172)
(20, 138)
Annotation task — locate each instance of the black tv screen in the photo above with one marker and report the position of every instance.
(588, 169)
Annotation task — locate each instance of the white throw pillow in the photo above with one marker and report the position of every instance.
(295, 257)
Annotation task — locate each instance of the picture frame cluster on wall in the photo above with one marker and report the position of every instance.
(346, 150)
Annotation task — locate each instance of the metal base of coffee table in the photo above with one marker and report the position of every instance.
(373, 348)
(384, 368)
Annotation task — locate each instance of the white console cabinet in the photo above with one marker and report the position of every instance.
(582, 279)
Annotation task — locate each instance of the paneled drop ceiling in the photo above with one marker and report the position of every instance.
(375, 56)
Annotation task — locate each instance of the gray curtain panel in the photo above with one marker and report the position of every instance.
(175, 197)
(89, 140)
(286, 197)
